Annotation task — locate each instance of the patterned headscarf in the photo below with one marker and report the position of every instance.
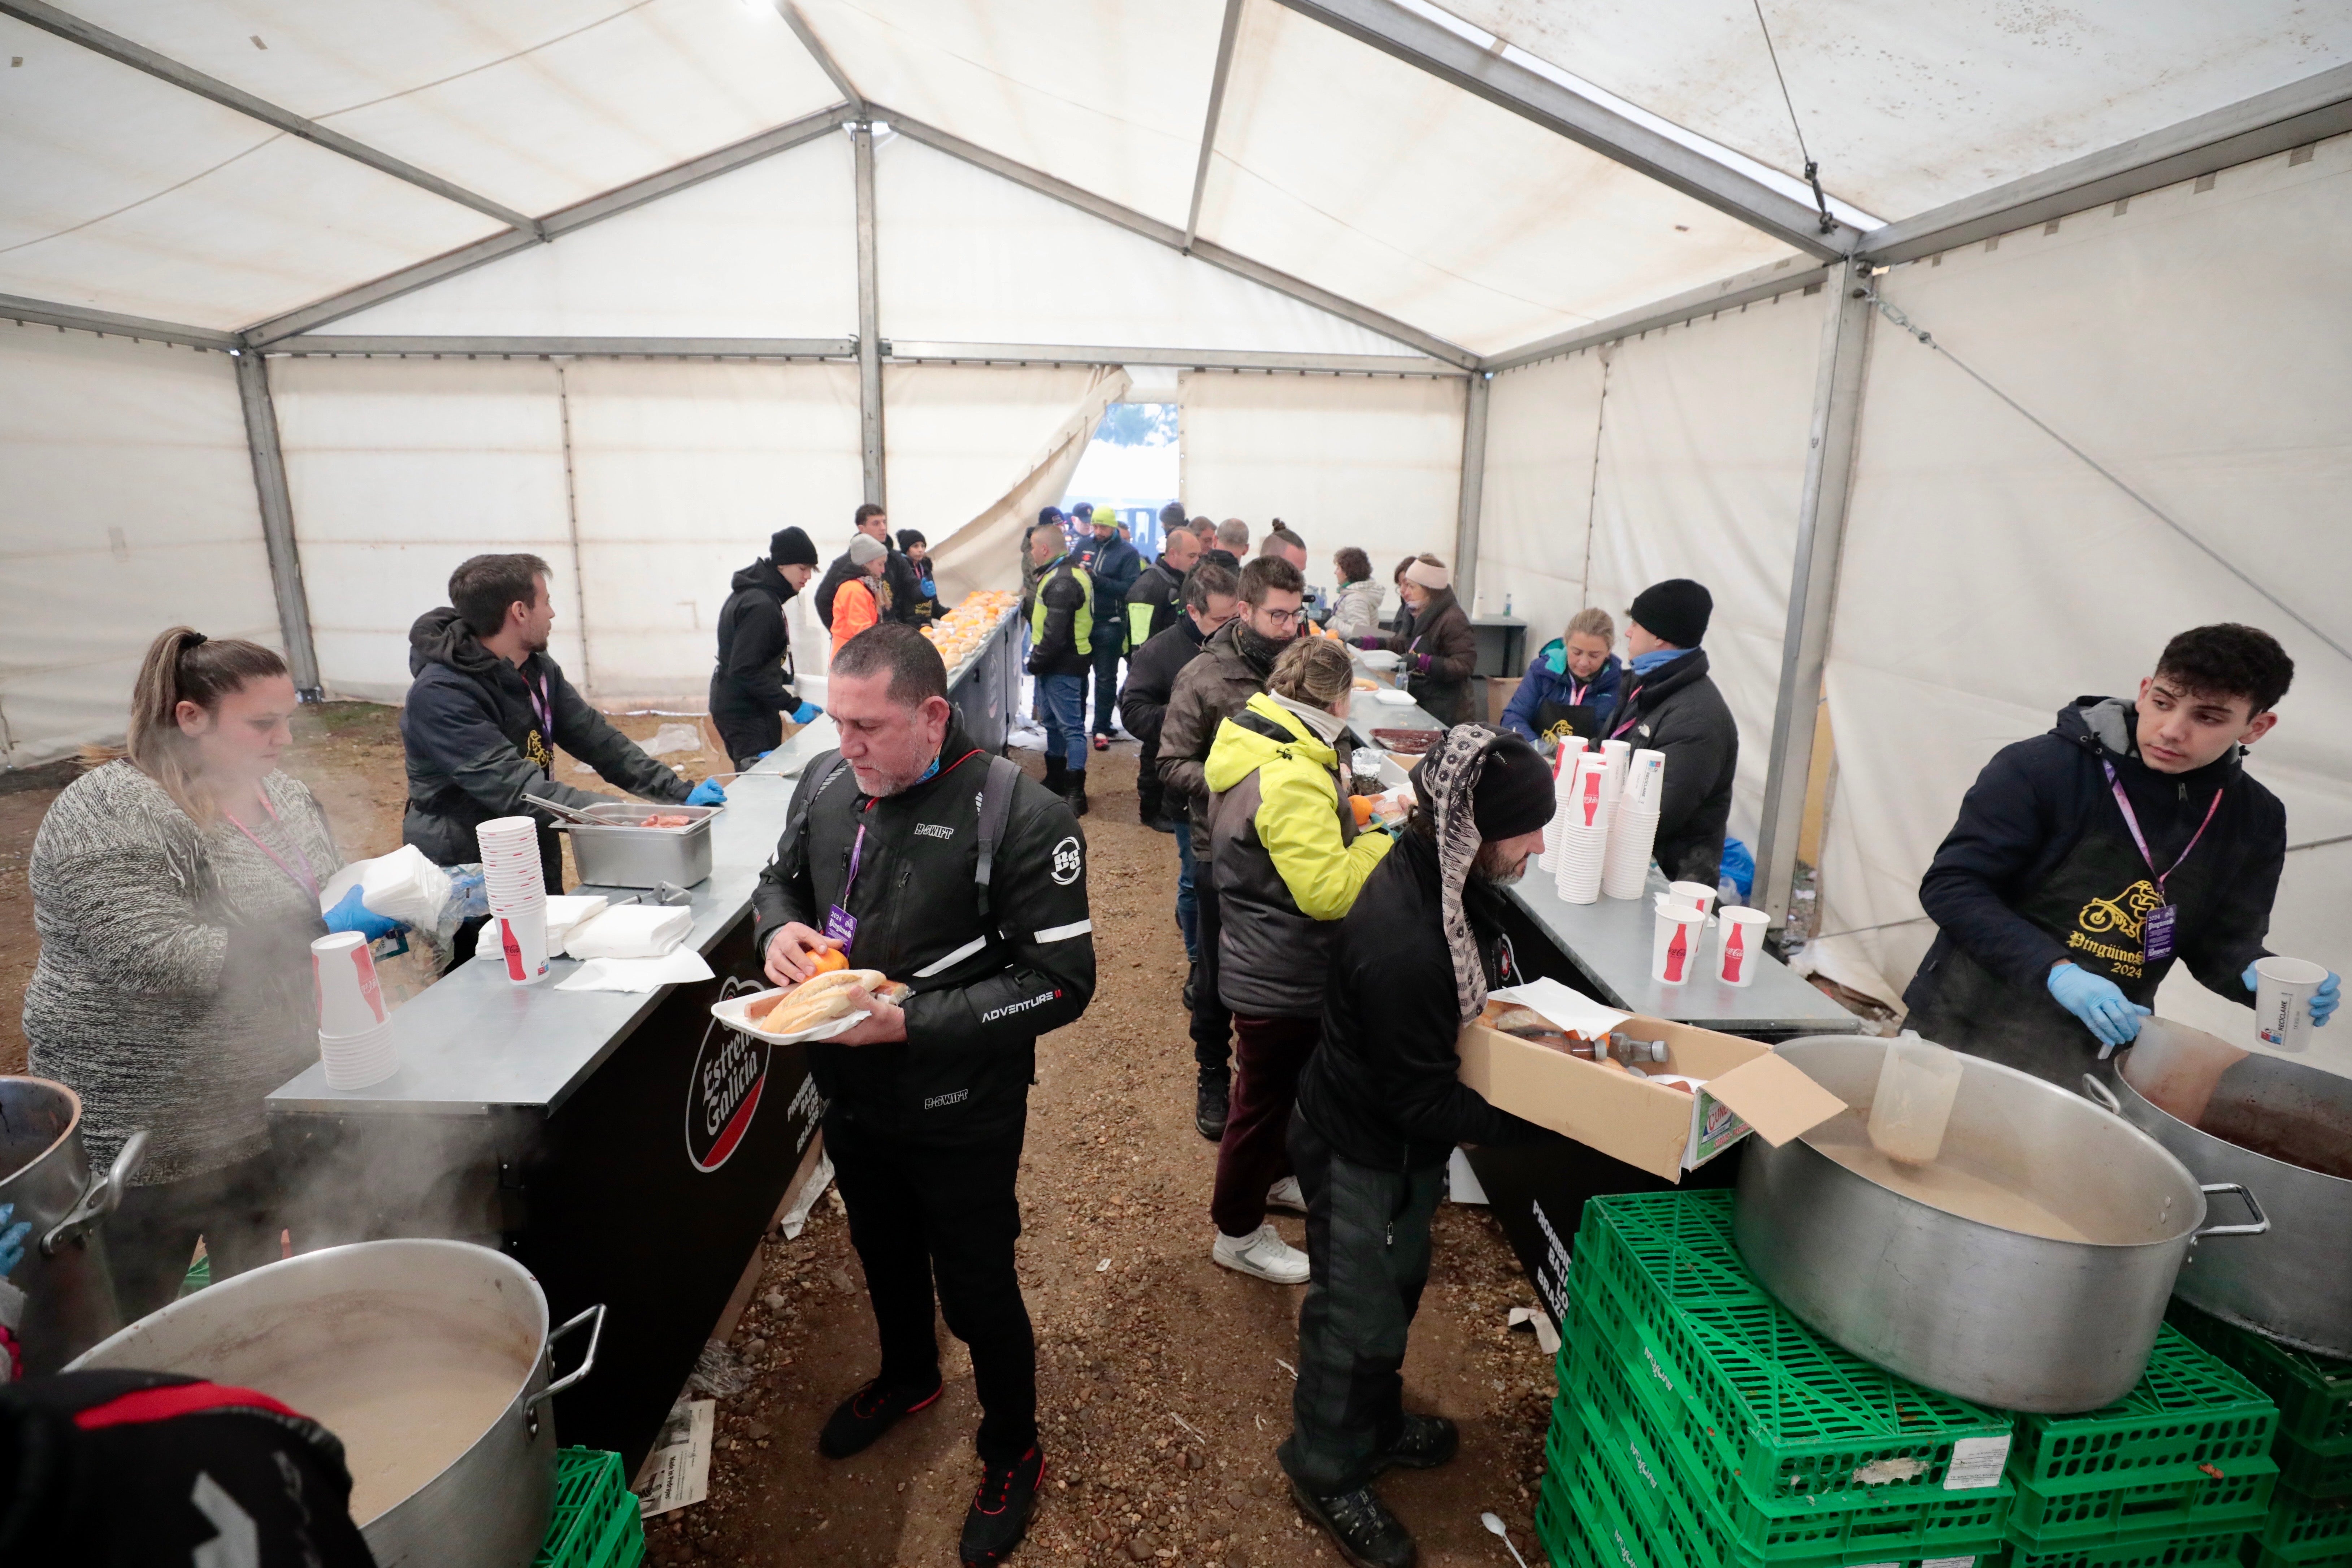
(1444, 784)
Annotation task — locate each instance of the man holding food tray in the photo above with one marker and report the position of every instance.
(914, 855)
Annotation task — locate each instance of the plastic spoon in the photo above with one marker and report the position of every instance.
(1495, 1524)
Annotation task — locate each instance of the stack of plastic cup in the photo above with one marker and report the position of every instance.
(354, 1029)
(1584, 818)
(1674, 948)
(1616, 752)
(517, 890)
(1563, 778)
(1738, 943)
(1634, 826)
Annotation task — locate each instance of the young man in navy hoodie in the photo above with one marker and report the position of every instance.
(2086, 860)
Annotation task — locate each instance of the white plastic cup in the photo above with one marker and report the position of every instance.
(1616, 754)
(1588, 799)
(1739, 943)
(1583, 853)
(1674, 954)
(1697, 895)
(1645, 777)
(522, 943)
(342, 974)
(2283, 988)
(359, 1061)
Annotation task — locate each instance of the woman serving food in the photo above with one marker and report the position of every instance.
(176, 895)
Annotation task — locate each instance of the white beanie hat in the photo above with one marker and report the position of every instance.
(1428, 576)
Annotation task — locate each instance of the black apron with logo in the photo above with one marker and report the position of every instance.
(1557, 721)
(2095, 903)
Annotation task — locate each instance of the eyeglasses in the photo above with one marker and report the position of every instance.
(1285, 617)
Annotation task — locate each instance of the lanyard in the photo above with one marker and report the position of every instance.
(2132, 821)
(856, 853)
(1576, 693)
(307, 879)
(542, 704)
(1633, 697)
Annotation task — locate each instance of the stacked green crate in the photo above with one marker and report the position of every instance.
(2310, 1521)
(597, 1522)
(2183, 1462)
(1701, 1425)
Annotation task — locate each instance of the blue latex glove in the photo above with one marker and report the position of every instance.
(930, 589)
(2100, 1002)
(2324, 1000)
(351, 914)
(806, 713)
(710, 792)
(11, 1240)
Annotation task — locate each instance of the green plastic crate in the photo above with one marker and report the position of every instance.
(2313, 1392)
(596, 1524)
(2190, 1410)
(1799, 1416)
(2237, 1499)
(2302, 1529)
(1719, 1510)
(2213, 1549)
(2313, 1475)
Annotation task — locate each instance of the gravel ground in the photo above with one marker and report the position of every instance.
(1162, 1383)
(1163, 1388)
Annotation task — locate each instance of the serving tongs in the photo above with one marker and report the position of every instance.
(568, 813)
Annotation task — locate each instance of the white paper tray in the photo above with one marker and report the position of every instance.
(731, 1013)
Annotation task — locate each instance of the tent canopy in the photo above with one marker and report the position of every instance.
(2049, 363)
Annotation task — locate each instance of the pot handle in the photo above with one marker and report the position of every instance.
(2100, 1095)
(2261, 1221)
(587, 1362)
(100, 1195)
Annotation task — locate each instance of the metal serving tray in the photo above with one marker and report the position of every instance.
(625, 854)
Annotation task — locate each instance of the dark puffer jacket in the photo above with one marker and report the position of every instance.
(755, 648)
(1210, 689)
(1438, 633)
(1676, 709)
(1143, 702)
(476, 741)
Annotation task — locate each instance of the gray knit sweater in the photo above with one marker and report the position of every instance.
(173, 986)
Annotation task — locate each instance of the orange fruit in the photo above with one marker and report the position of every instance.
(831, 958)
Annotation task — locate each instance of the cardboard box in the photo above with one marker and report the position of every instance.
(1658, 1129)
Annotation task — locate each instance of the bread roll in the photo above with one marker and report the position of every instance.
(817, 1000)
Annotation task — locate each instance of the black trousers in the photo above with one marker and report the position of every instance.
(922, 1217)
(1212, 1021)
(1368, 1241)
(746, 729)
(238, 1210)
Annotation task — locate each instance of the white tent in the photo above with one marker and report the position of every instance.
(310, 301)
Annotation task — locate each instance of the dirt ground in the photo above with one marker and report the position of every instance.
(1162, 1382)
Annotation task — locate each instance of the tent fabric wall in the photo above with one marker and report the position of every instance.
(986, 552)
(676, 474)
(769, 251)
(1543, 431)
(1374, 461)
(2196, 344)
(130, 508)
(1677, 454)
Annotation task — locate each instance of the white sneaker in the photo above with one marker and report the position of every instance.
(1285, 1195)
(1264, 1254)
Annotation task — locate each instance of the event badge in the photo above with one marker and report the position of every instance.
(2156, 932)
(842, 926)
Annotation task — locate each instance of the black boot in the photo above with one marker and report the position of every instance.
(1212, 1104)
(1057, 773)
(1360, 1526)
(1073, 790)
(1423, 1443)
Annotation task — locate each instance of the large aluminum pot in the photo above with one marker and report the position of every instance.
(2267, 1122)
(2015, 1321)
(430, 1359)
(70, 1301)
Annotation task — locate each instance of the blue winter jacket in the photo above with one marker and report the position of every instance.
(1547, 680)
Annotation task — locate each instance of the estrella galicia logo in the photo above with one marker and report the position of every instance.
(1066, 862)
(723, 1095)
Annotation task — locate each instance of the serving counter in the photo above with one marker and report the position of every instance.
(624, 1148)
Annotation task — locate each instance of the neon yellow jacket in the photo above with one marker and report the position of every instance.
(1298, 809)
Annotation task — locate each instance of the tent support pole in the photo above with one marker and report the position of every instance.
(277, 522)
(1812, 581)
(1473, 490)
(869, 319)
(1226, 36)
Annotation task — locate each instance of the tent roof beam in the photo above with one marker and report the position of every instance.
(845, 349)
(1742, 288)
(1169, 235)
(823, 58)
(2307, 110)
(80, 318)
(1429, 45)
(1227, 36)
(115, 46)
(636, 194)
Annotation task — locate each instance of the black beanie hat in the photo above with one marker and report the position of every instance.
(791, 547)
(1513, 795)
(1674, 611)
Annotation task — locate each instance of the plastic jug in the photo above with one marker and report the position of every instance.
(1917, 1082)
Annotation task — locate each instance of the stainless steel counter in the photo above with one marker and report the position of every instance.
(1609, 942)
